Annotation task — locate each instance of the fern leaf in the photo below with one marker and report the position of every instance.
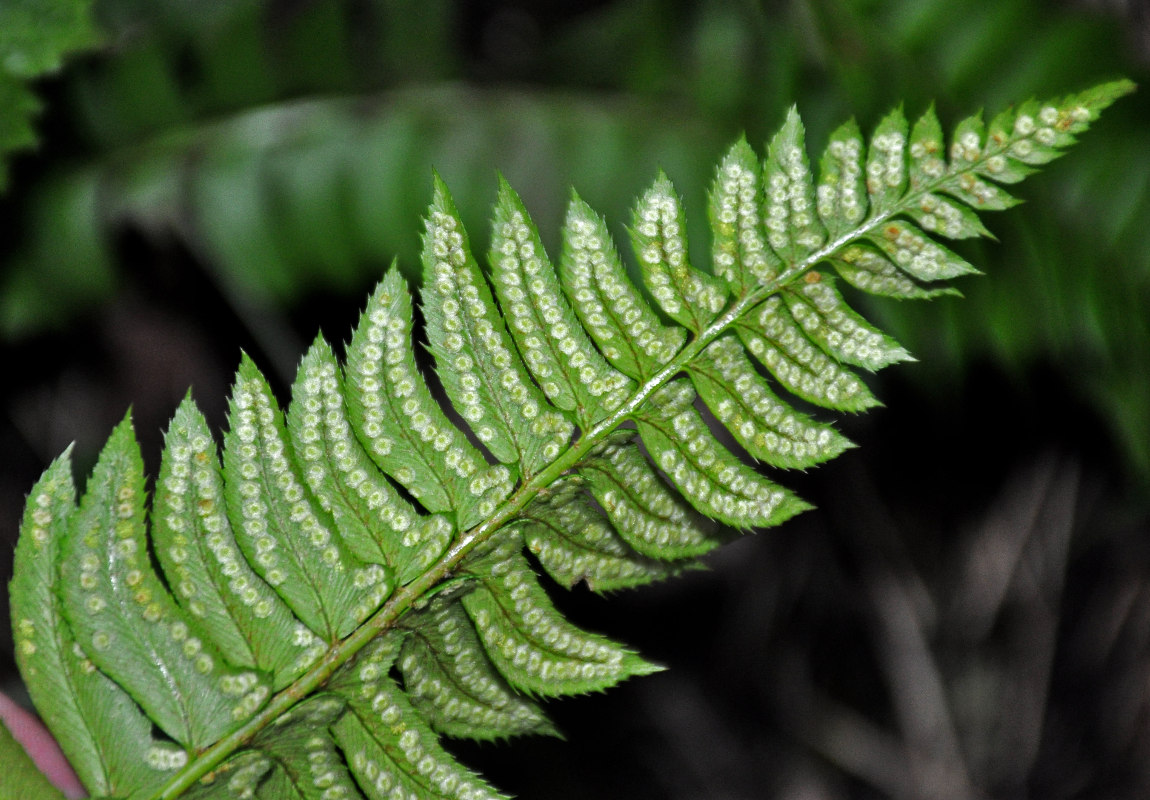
(304, 765)
(405, 431)
(710, 477)
(389, 749)
(842, 193)
(210, 579)
(574, 542)
(945, 217)
(916, 254)
(289, 540)
(740, 252)
(767, 428)
(105, 736)
(648, 515)
(626, 330)
(820, 310)
(531, 644)
(239, 778)
(865, 268)
(367, 535)
(966, 157)
(794, 230)
(688, 295)
(379, 525)
(479, 367)
(571, 372)
(797, 363)
(124, 619)
(886, 163)
(455, 686)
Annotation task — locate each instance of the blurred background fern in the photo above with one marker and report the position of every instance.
(966, 616)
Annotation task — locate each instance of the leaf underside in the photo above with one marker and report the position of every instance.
(358, 575)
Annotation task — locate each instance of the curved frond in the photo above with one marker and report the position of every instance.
(358, 578)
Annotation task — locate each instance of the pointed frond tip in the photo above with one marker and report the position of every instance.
(345, 582)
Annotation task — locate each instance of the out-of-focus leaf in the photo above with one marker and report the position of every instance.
(66, 264)
(35, 35)
(285, 199)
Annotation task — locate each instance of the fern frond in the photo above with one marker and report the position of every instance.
(357, 578)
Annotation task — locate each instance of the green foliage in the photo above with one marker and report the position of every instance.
(580, 425)
(35, 35)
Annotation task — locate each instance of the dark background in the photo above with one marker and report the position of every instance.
(967, 612)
